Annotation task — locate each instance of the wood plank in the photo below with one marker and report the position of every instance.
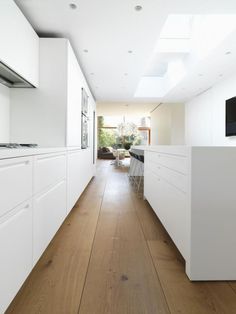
(184, 296)
(56, 283)
(121, 277)
(233, 285)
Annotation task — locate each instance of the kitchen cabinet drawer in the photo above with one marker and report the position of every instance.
(48, 170)
(15, 182)
(170, 205)
(175, 178)
(15, 252)
(177, 163)
(49, 213)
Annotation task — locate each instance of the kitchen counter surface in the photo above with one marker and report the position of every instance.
(21, 152)
(173, 149)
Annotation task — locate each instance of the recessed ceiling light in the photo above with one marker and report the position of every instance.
(138, 8)
(91, 73)
(200, 74)
(73, 6)
(228, 52)
(86, 50)
(130, 51)
(220, 75)
(125, 74)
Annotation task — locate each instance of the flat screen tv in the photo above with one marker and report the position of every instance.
(230, 115)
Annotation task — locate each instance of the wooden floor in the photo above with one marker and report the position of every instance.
(112, 256)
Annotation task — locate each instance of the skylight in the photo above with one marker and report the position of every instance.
(184, 42)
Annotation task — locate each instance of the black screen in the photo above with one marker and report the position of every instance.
(230, 127)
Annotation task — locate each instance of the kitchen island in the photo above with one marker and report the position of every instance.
(192, 191)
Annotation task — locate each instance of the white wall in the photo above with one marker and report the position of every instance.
(161, 125)
(167, 125)
(4, 113)
(38, 115)
(177, 124)
(205, 116)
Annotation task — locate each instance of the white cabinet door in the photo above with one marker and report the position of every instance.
(19, 42)
(15, 252)
(170, 205)
(48, 170)
(74, 95)
(49, 213)
(79, 173)
(15, 182)
(75, 180)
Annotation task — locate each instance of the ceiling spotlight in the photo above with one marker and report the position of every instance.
(228, 52)
(130, 51)
(86, 50)
(138, 8)
(200, 74)
(125, 74)
(73, 6)
(220, 75)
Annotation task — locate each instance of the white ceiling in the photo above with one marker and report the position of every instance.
(108, 29)
(124, 109)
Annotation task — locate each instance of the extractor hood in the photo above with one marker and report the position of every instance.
(11, 79)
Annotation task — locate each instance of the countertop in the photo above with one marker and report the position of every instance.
(172, 149)
(21, 152)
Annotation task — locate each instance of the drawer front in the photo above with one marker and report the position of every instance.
(15, 182)
(177, 163)
(49, 211)
(175, 178)
(16, 252)
(48, 170)
(170, 205)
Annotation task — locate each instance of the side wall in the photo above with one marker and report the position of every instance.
(167, 125)
(205, 116)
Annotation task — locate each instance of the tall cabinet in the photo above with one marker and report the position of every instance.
(51, 114)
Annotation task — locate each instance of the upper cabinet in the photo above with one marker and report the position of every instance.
(51, 114)
(19, 43)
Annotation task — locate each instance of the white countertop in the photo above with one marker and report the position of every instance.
(21, 152)
(172, 149)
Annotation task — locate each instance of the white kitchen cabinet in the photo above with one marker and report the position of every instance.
(51, 114)
(49, 211)
(192, 191)
(48, 170)
(74, 92)
(19, 42)
(15, 182)
(33, 205)
(80, 172)
(15, 252)
(169, 203)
